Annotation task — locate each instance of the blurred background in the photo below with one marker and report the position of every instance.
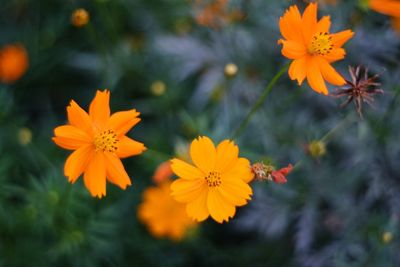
(196, 68)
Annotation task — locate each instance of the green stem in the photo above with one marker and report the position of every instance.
(260, 101)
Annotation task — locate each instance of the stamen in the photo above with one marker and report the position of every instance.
(106, 141)
(213, 179)
(321, 44)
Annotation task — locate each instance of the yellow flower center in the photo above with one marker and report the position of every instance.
(213, 179)
(321, 44)
(106, 141)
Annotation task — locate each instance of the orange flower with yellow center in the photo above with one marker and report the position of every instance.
(13, 63)
(216, 184)
(163, 216)
(388, 7)
(312, 47)
(99, 141)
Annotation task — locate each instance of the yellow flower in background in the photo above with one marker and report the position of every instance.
(13, 63)
(388, 7)
(163, 216)
(80, 17)
(216, 184)
(312, 47)
(99, 141)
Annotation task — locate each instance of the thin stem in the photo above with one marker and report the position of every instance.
(260, 101)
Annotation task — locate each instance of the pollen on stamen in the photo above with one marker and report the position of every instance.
(321, 44)
(213, 179)
(106, 141)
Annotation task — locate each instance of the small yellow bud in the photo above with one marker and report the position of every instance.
(24, 136)
(317, 149)
(158, 88)
(80, 17)
(231, 69)
(387, 237)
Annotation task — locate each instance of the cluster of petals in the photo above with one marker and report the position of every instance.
(98, 141)
(311, 46)
(215, 184)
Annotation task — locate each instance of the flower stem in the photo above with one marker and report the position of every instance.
(260, 101)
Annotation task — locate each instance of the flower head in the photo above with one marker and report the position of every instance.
(361, 88)
(216, 184)
(312, 47)
(164, 216)
(264, 172)
(388, 7)
(80, 17)
(99, 141)
(13, 63)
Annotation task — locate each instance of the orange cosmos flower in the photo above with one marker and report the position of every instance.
(99, 141)
(80, 17)
(164, 216)
(13, 63)
(312, 47)
(388, 7)
(216, 184)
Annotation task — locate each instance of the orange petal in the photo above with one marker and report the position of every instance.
(293, 50)
(77, 162)
(116, 173)
(241, 171)
(187, 190)
(95, 176)
(329, 73)
(290, 25)
(70, 137)
(236, 192)
(309, 20)
(297, 70)
(335, 55)
(79, 118)
(99, 109)
(387, 7)
(128, 147)
(197, 209)
(203, 153)
(220, 210)
(121, 122)
(227, 155)
(339, 38)
(314, 77)
(185, 170)
(396, 24)
(323, 24)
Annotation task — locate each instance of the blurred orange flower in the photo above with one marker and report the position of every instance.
(163, 172)
(99, 141)
(216, 184)
(388, 7)
(312, 47)
(215, 13)
(13, 63)
(163, 216)
(80, 17)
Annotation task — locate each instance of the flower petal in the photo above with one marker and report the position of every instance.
(220, 210)
(115, 170)
(197, 209)
(185, 171)
(187, 190)
(323, 24)
(95, 176)
(293, 50)
(241, 171)
(128, 147)
(227, 155)
(121, 122)
(314, 77)
(329, 73)
(77, 162)
(236, 192)
(70, 137)
(290, 25)
(297, 70)
(203, 153)
(99, 110)
(79, 118)
(309, 20)
(339, 38)
(335, 55)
